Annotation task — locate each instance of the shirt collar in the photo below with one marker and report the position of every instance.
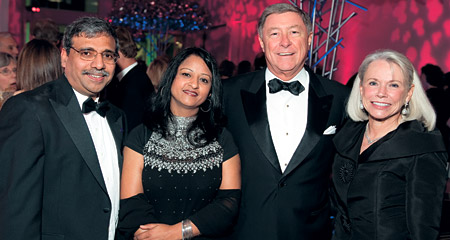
(302, 77)
(81, 98)
(125, 71)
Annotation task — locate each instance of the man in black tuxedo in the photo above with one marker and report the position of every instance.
(60, 150)
(131, 88)
(283, 119)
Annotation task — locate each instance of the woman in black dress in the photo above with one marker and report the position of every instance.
(389, 173)
(181, 170)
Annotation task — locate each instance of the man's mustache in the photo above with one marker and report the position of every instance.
(96, 72)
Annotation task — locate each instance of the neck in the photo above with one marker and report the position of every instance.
(123, 63)
(377, 129)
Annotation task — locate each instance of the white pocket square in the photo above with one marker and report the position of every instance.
(330, 130)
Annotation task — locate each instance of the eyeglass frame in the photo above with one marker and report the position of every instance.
(116, 56)
(7, 72)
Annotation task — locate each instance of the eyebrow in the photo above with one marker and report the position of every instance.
(186, 68)
(289, 27)
(92, 49)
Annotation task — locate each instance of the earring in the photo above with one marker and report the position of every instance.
(160, 90)
(361, 106)
(405, 110)
(209, 106)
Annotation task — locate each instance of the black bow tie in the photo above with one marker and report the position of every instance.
(90, 105)
(276, 85)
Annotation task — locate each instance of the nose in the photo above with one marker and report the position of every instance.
(98, 62)
(381, 91)
(15, 51)
(194, 83)
(285, 40)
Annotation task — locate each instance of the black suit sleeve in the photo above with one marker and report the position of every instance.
(21, 172)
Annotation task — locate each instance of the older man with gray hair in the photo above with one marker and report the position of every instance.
(283, 119)
(8, 44)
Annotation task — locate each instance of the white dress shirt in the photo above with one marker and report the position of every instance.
(106, 149)
(287, 115)
(125, 71)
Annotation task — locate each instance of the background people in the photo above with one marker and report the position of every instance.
(8, 44)
(39, 62)
(47, 29)
(8, 69)
(60, 161)
(390, 171)
(226, 69)
(181, 173)
(156, 70)
(244, 67)
(284, 136)
(130, 88)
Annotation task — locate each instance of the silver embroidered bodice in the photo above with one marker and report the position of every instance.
(176, 153)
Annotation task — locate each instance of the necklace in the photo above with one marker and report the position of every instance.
(369, 141)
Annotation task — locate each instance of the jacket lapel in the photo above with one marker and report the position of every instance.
(254, 102)
(319, 105)
(117, 126)
(68, 110)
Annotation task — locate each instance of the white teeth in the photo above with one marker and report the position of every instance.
(285, 54)
(95, 76)
(381, 104)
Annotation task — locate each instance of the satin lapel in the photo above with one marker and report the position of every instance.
(116, 124)
(68, 110)
(254, 102)
(319, 105)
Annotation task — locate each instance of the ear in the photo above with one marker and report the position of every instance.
(261, 43)
(64, 57)
(310, 37)
(410, 93)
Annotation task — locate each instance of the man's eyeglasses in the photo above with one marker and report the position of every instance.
(7, 71)
(90, 55)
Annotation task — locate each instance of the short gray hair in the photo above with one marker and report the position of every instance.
(419, 105)
(89, 27)
(5, 35)
(283, 8)
(6, 59)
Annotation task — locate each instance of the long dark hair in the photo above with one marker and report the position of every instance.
(210, 122)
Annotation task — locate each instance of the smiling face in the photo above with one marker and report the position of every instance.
(191, 87)
(8, 77)
(384, 91)
(89, 77)
(285, 42)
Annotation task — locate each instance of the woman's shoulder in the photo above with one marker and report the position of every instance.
(412, 138)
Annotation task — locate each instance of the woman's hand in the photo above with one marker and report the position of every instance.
(158, 231)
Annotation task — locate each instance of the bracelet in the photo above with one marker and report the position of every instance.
(186, 230)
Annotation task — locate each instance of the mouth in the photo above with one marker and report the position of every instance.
(381, 104)
(96, 75)
(285, 54)
(190, 93)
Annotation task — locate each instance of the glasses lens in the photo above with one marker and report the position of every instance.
(109, 57)
(88, 54)
(5, 71)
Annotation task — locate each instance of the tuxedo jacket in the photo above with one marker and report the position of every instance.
(51, 184)
(293, 204)
(130, 94)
